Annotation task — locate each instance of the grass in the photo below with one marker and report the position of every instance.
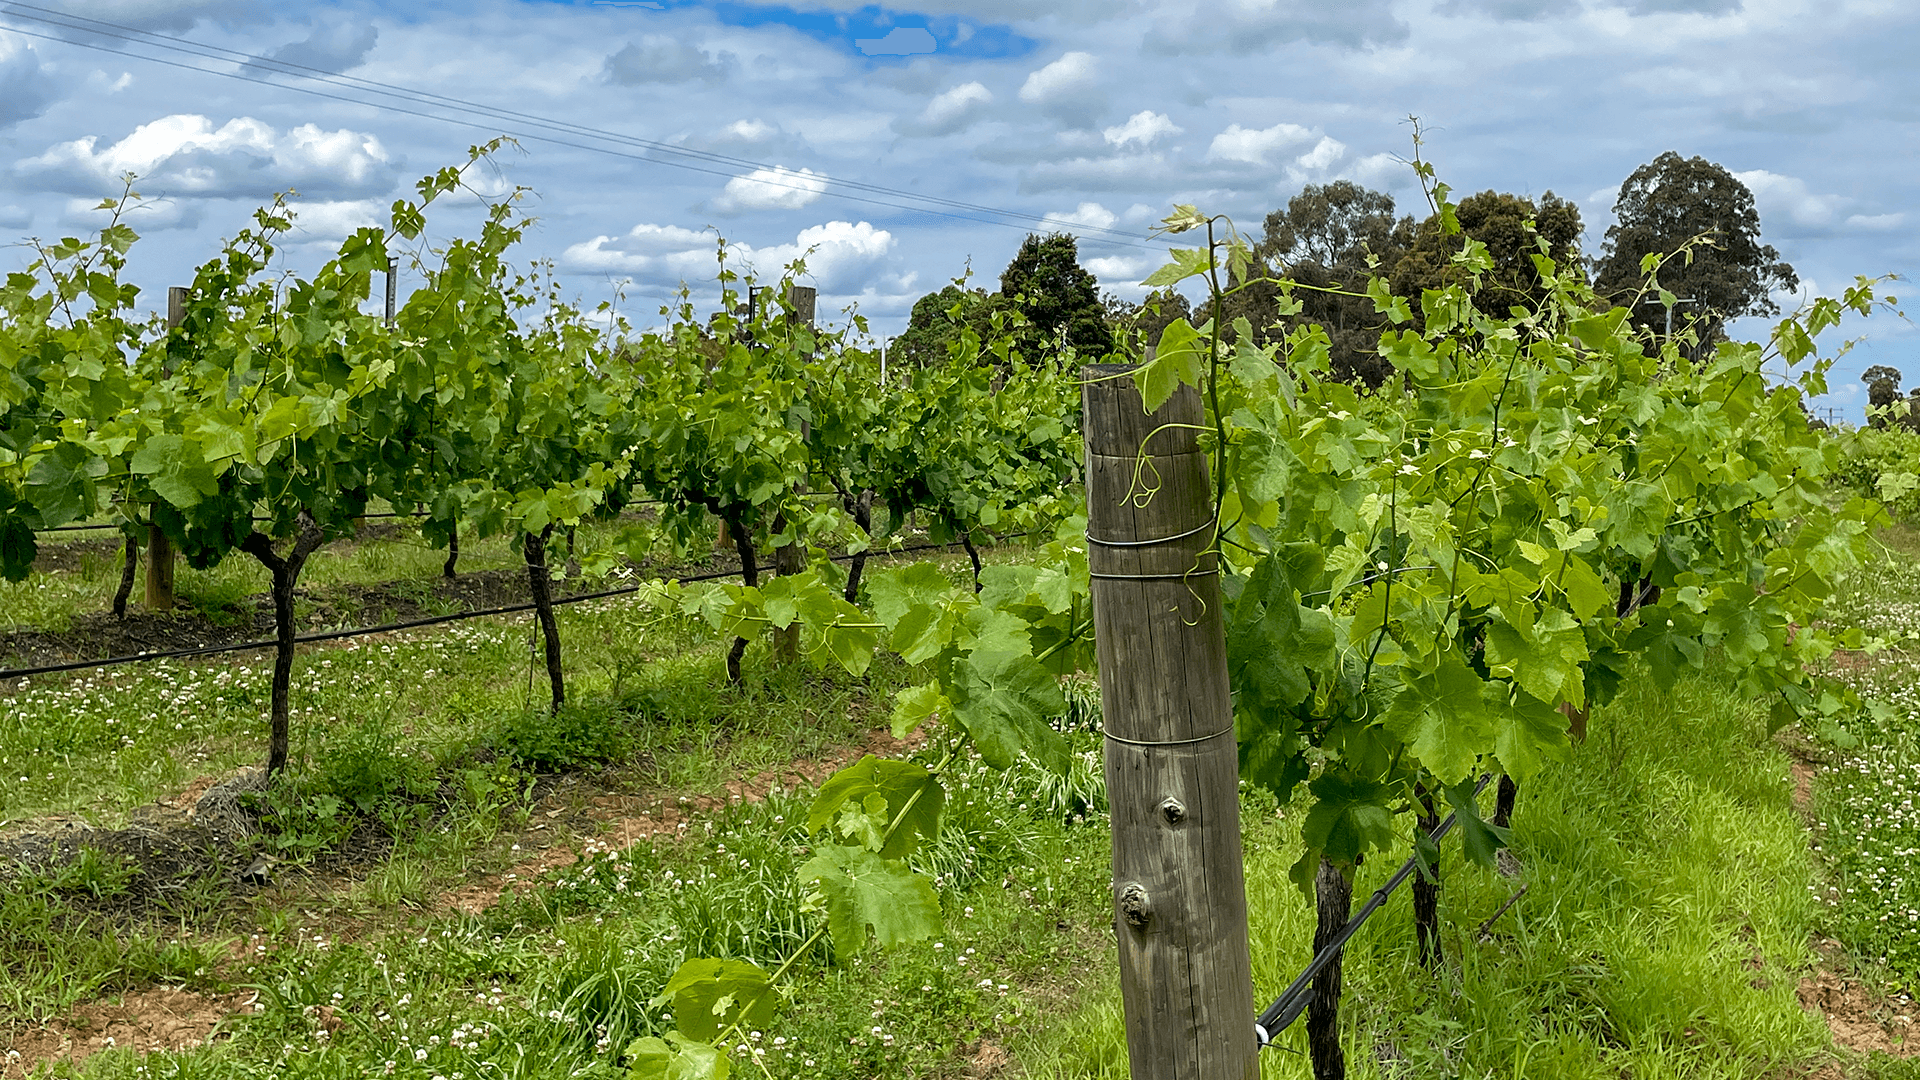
(1667, 922)
(1672, 889)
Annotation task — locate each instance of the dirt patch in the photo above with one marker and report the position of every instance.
(1803, 773)
(985, 1059)
(615, 822)
(157, 1018)
(1861, 1018)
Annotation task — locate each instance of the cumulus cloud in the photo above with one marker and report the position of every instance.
(1243, 27)
(1875, 222)
(337, 220)
(1143, 127)
(1324, 153)
(15, 217)
(1255, 146)
(950, 111)
(164, 14)
(337, 46)
(1067, 89)
(655, 59)
(1121, 273)
(900, 41)
(1088, 215)
(1511, 10)
(778, 188)
(1777, 196)
(185, 155)
(26, 86)
(843, 258)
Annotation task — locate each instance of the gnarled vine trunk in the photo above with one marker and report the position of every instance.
(541, 583)
(129, 569)
(453, 553)
(1333, 901)
(1426, 884)
(861, 508)
(286, 575)
(750, 577)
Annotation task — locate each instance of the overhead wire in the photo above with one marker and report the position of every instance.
(133, 35)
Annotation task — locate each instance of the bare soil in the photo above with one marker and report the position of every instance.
(1861, 1017)
(156, 1018)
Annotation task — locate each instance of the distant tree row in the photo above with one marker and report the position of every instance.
(1331, 238)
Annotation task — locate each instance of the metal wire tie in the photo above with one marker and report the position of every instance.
(1176, 742)
(1155, 577)
(1092, 539)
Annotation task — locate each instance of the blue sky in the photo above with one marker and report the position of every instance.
(1099, 114)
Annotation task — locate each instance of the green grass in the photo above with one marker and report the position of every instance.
(1666, 925)
(1672, 889)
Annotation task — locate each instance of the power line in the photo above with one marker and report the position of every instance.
(696, 160)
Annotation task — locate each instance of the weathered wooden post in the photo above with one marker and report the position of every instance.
(1172, 766)
(792, 558)
(159, 549)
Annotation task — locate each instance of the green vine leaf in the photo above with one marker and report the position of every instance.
(903, 790)
(1006, 701)
(709, 996)
(864, 891)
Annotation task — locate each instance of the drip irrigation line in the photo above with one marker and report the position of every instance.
(387, 628)
(382, 514)
(1295, 998)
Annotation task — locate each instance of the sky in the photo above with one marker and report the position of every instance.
(897, 147)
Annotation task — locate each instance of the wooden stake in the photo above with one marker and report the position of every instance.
(159, 592)
(792, 558)
(1172, 765)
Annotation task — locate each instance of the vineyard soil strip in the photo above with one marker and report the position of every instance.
(334, 635)
(1294, 1000)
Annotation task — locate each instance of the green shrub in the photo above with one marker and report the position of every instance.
(1880, 464)
(579, 735)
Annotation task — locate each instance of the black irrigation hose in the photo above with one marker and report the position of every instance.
(386, 514)
(1294, 1000)
(334, 635)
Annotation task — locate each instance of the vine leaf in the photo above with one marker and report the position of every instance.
(1006, 701)
(710, 996)
(863, 890)
(1177, 359)
(1443, 718)
(1534, 734)
(1349, 816)
(895, 784)
(1542, 655)
(915, 706)
(675, 1057)
(60, 484)
(1479, 837)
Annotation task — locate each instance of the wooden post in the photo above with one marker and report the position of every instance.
(792, 558)
(393, 286)
(159, 593)
(1172, 764)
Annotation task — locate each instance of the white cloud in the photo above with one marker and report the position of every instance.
(166, 14)
(15, 217)
(1121, 273)
(950, 111)
(778, 188)
(1776, 195)
(1067, 89)
(1255, 145)
(185, 155)
(750, 131)
(844, 259)
(332, 46)
(1087, 214)
(657, 59)
(1143, 127)
(26, 86)
(1071, 73)
(337, 220)
(1324, 153)
(1875, 222)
